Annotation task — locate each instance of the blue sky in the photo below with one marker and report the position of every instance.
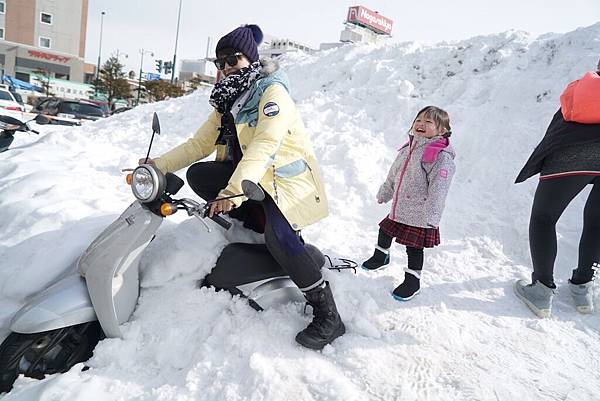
(151, 24)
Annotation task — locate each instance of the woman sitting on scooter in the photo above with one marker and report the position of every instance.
(259, 136)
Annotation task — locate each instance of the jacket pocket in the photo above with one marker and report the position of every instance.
(292, 169)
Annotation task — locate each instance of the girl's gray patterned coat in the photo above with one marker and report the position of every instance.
(418, 181)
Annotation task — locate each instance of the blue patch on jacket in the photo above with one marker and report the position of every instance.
(292, 169)
(249, 112)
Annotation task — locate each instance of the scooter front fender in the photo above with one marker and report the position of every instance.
(65, 303)
(110, 266)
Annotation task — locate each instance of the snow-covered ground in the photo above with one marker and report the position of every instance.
(465, 337)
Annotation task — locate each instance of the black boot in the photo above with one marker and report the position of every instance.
(409, 287)
(327, 324)
(378, 260)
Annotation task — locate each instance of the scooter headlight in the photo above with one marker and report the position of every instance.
(147, 183)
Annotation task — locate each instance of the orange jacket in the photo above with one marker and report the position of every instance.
(580, 101)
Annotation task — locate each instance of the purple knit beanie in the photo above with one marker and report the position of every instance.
(244, 39)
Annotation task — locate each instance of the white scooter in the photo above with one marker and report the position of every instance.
(10, 125)
(61, 326)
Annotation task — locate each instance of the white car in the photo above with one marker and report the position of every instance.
(9, 105)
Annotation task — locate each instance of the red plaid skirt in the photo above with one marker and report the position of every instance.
(416, 237)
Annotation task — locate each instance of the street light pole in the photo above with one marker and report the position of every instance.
(142, 52)
(99, 49)
(176, 39)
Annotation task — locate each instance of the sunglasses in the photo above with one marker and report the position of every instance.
(230, 60)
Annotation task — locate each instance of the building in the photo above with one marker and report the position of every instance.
(274, 47)
(62, 87)
(202, 69)
(43, 35)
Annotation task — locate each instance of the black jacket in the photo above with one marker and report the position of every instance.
(559, 134)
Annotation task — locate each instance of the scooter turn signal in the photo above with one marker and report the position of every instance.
(167, 209)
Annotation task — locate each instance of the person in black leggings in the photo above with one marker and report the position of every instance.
(551, 199)
(568, 160)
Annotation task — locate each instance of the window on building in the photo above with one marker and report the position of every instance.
(2, 6)
(23, 76)
(1, 33)
(46, 18)
(44, 42)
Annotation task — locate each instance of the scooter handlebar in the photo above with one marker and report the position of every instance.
(221, 221)
(201, 211)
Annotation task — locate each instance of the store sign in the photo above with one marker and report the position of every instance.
(150, 76)
(372, 20)
(48, 56)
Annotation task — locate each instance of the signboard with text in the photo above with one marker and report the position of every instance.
(150, 76)
(48, 56)
(370, 19)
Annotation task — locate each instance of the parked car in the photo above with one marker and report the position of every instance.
(121, 110)
(19, 99)
(103, 105)
(9, 105)
(67, 111)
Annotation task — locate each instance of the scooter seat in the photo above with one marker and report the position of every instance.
(241, 263)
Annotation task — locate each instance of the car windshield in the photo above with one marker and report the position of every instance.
(4, 95)
(18, 97)
(80, 108)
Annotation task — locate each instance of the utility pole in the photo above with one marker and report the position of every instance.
(142, 52)
(99, 50)
(176, 39)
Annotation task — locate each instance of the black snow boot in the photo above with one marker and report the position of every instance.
(409, 287)
(327, 324)
(380, 258)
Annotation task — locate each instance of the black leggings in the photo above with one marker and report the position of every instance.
(415, 255)
(207, 179)
(551, 199)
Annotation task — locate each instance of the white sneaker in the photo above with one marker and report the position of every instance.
(536, 296)
(582, 296)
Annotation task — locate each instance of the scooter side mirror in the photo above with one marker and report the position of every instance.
(155, 124)
(42, 119)
(253, 191)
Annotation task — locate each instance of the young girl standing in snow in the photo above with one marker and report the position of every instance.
(417, 184)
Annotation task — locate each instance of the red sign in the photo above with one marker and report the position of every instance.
(376, 22)
(47, 56)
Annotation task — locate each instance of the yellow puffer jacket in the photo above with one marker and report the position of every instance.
(277, 153)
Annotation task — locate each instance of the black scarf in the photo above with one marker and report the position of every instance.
(222, 98)
(230, 88)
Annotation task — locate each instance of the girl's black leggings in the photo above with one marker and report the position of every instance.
(551, 199)
(415, 255)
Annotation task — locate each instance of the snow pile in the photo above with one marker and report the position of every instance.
(465, 337)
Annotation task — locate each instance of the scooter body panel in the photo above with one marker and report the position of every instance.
(271, 292)
(65, 303)
(110, 266)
